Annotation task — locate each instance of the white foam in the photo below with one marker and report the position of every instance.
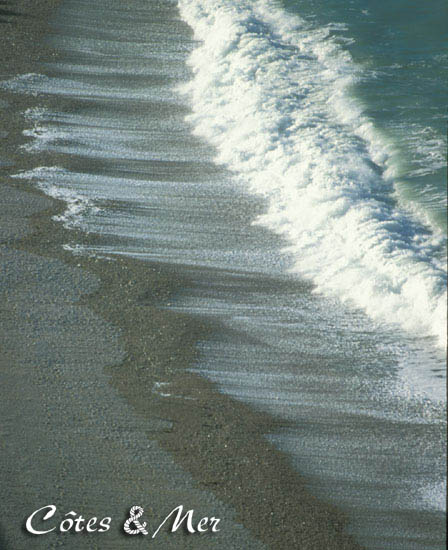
(434, 496)
(36, 84)
(273, 95)
(48, 180)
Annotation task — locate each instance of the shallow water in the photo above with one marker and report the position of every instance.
(359, 397)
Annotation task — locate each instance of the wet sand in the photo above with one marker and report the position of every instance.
(88, 357)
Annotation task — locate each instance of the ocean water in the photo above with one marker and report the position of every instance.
(400, 86)
(283, 102)
(289, 158)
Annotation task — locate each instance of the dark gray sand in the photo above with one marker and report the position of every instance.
(85, 356)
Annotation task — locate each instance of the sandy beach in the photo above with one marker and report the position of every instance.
(99, 410)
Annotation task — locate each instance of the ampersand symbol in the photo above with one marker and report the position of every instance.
(134, 514)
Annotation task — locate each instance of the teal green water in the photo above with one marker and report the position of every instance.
(401, 49)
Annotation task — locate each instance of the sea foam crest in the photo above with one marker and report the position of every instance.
(272, 94)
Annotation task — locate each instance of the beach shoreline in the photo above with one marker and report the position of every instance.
(219, 441)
